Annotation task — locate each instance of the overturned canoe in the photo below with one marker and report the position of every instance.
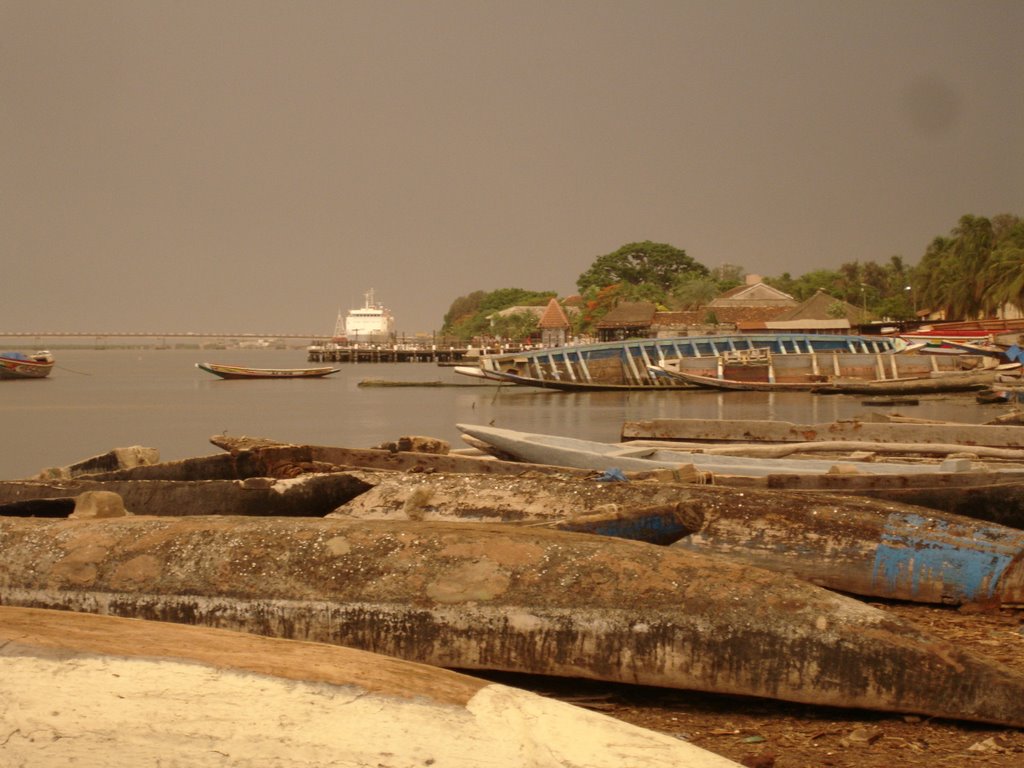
(643, 512)
(590, 454)
(507, 598)
(862, 546)
(769, 431)
(65, 679)
(309, 495)
(293, 460)
(866, 547)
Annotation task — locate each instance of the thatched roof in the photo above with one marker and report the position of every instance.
(638, 314)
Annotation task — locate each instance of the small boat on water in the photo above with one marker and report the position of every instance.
(18, 365)
(241, 372)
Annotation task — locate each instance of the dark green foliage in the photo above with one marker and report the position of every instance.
(657, 264)
(468, 315)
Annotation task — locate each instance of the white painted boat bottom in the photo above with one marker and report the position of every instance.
(587, 454)
(94, 708)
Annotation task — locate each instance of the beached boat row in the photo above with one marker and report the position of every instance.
(470, 562)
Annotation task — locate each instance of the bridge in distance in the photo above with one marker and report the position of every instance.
(151, 335)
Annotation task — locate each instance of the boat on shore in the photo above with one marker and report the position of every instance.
(242, 372)
(627, 364)
(66, 678)
(924, 436)
(991, 491)
(591, 454)
(511, 599)
(18, 365)
(851, 544)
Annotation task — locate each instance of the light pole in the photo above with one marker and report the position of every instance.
(913, 299)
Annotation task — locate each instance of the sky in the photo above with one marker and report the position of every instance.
(249, 166)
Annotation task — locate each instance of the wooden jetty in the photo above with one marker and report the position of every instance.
(445, 354)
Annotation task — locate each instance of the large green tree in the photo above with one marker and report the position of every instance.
(657, 264)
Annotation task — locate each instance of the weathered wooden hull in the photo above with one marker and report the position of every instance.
(850, 544)
(997, 497)
(318, 495)
(626, 364)
(866, 547)
(588, 454)
(657, 514)
(292, 460)
(65, 678)
(766, 431)
(311, 495)
(487, 597)
(971, 381)
(240, 372)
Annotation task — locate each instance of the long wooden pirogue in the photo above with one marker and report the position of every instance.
(861, 546)
(507, 598)
(73, 684)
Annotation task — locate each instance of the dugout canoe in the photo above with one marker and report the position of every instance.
(74, 684)
(867, 547)
(293, 460)
(590, 454)
(508, 598)
(244, 372)
(308, 495)
(768, 431)
(643, 512)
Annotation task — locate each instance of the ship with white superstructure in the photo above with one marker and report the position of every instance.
(371, 323)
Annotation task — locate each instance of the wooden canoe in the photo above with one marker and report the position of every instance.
(956, 381)
(589, 454)
(508, 598)
(770, 431)
(242, 372)
(851, 544)
(79, 683)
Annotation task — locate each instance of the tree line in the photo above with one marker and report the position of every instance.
(972, 273)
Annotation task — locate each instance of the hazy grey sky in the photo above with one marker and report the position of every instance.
(237, 165)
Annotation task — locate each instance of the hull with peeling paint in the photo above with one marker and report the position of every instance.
(73, 684)
(310, 495)
(867, 547)
(862, 546)
(503, 598)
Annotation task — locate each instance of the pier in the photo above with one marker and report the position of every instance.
(332, 352)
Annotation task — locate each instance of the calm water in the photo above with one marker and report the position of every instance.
(96, 400)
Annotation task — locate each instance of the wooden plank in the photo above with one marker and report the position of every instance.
(731, 430)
